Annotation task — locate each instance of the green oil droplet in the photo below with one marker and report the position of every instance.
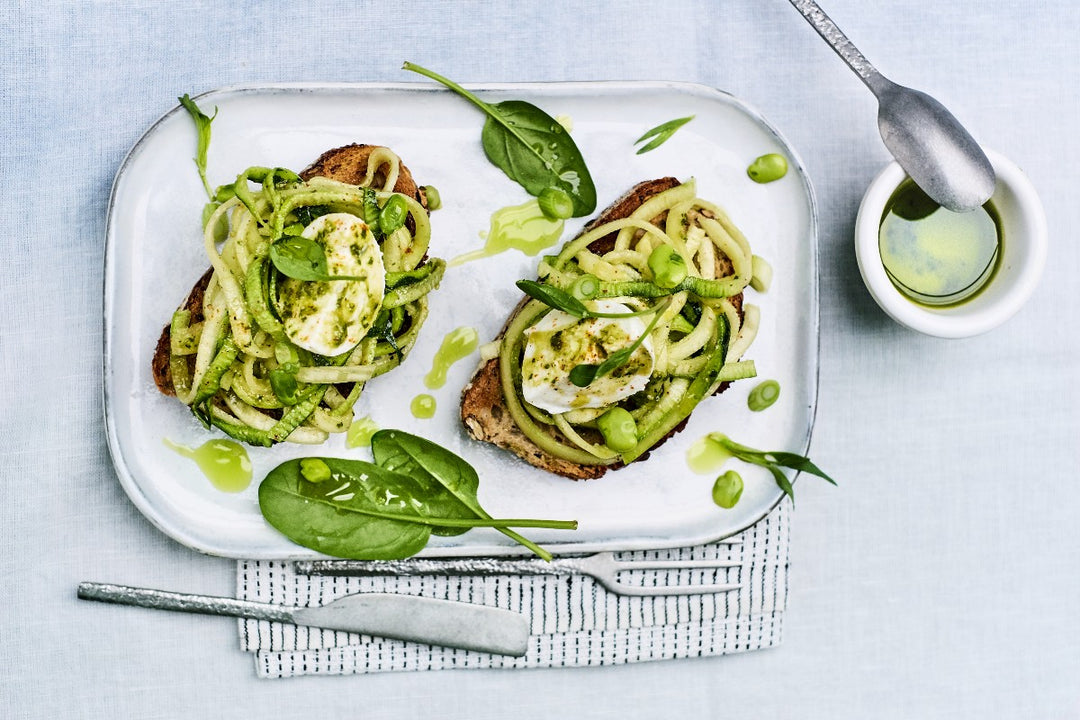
(705, 456)
(224, 462)
(423, 406)
(360, 432)
(457, 345)
(517, 227)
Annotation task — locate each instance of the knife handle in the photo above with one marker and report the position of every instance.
(182, 602)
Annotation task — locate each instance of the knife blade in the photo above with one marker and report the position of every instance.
(448, 623)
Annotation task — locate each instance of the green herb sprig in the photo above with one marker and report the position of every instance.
(559, 299)
(771, 461)
(660, 134)
(202, 128)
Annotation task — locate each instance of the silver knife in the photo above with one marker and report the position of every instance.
(406, 617)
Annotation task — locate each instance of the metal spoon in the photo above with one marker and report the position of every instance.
(928, 142)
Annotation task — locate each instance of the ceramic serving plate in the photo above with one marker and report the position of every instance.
(154, 255)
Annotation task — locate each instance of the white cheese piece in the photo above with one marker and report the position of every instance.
(330, 318)
(560, 341)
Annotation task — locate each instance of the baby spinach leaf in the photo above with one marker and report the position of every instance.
(435, 466)
(660, 134)
(449, 482)
(369, 512)
(202, 127)
(299, 257)
(530, 146)
(336, 516)
(302, 258)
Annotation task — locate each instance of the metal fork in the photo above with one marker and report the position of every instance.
(604, 567)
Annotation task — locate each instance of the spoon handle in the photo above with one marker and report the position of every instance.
(839, 42)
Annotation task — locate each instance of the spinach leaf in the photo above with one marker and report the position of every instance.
(338, 516)
(450, 481)
(530, 146)
(302, 258)
(660, 134)
(202, 127)
(359, 510)
(299, 257)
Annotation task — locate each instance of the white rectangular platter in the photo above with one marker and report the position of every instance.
(154, 255)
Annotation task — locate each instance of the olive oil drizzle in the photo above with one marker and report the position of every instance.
(225, 463)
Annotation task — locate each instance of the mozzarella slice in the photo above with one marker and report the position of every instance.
(330, 318)
(560, 341)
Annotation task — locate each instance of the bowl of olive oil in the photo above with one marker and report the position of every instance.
(945, 273)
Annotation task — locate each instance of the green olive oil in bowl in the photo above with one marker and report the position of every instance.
(934, 256)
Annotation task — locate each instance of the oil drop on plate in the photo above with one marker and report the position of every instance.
(224, 462)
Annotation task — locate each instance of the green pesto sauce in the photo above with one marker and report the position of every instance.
(224, 462)
(935, 256)
(360, 432)
(518, 227)
(423, 406)
(457, 345)
(705, 456)
(558, 351)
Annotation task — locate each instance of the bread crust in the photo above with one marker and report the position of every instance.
(347, 164)
(483, 406)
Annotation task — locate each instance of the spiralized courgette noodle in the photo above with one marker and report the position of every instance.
(697, 344)
(221, 365)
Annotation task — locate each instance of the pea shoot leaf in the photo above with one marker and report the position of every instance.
(202, 127)
(660, 134)
(553, 297)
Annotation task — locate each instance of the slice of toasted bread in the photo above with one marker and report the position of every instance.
(347, 164)
(483, 409)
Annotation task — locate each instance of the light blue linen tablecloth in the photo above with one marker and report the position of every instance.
(939, 580)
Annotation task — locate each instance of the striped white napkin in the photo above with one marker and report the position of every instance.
(575, 622)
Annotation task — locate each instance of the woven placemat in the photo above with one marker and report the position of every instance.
(575, 622)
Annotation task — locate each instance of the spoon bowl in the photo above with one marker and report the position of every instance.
(930, 144)
(934, 148)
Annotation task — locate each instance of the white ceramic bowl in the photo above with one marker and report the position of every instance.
(1023, 231)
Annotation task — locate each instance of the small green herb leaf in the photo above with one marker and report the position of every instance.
(202, 127)
(370, 210)
(302, 258)
(772, 461)
(582, 375)
(299, 257)
(660, 134)
(530, 146)
(553, 297)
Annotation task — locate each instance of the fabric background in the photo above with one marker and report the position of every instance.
(938, 581)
